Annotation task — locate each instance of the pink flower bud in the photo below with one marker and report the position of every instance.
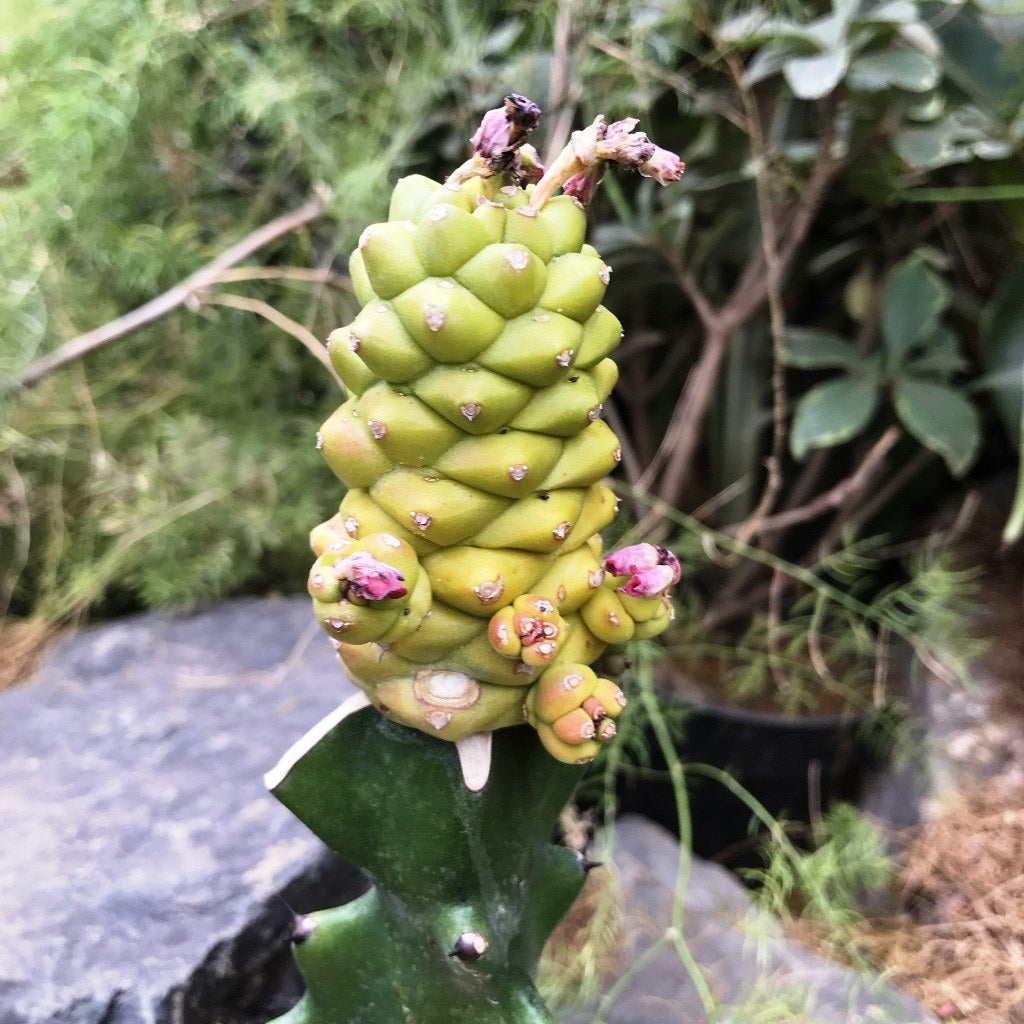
(632, 559)
(505, 127)
(492, 137)
(662, 166)
(651, 569)
(369, 579)
(650, 582)
(583, 185)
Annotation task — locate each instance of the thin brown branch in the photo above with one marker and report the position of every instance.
(303, 275)
(858, 515)
(181, 294)
(751, 290)
(739, 598)
(773, 286)
(683, 434)
(834, 498)
(278, 319)
(563, 89)
(690, 288)
(677, 448)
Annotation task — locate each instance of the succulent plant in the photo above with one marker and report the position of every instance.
(464, 585)
(463, 579)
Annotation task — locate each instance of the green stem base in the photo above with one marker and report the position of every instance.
(445, 862)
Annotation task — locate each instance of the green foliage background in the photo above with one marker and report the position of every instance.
(139, 139)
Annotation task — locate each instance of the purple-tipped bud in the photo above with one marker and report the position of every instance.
(652, 569)
(625, 145)
(663, 166)
(633, 149)
(369, 579)
(503, 129)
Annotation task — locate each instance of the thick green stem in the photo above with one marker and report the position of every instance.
(454, 870)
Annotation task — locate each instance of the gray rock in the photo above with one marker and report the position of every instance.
(958, 738)
(751, 971)
(143, 860)
(142, 857)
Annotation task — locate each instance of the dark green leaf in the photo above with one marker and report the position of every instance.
(832, 413)
(961, 135)
(912, 302)
(810, 349)
(973, 57)
(941, 419)
(940, 355)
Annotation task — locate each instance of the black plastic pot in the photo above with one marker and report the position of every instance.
(794, 767)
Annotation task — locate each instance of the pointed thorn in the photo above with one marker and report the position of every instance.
(470, 947)
(475, 759)
(302, 928)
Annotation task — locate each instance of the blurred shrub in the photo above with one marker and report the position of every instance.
(852, 203)
(137, 141)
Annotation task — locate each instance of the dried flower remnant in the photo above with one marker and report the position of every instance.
(499, 141)
(580, 166)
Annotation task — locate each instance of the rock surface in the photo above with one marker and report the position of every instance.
(753, 973)
(142, 857)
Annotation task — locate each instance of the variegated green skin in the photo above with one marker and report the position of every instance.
(476, 372)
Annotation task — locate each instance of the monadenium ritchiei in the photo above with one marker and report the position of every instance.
(463, 579)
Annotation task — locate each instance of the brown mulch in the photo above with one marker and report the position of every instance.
(958, 943)
(22, 644)
(955, 940)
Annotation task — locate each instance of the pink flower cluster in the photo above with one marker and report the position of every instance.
(368, 578)
(651, 569)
